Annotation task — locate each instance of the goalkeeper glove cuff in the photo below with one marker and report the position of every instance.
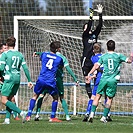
(91, 13)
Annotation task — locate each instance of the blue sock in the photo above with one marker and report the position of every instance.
(31, 107)
(54, 108)
(89, 106)
(105, 101)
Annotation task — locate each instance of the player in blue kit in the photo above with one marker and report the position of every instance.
(97, 75)
(60, 86)
(47, 79)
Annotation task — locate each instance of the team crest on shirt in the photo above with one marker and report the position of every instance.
(92, 39)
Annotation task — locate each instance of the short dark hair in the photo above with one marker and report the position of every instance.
(111, 45)
(11, 41)
(54, 46)
(1, 45)
(97, 48)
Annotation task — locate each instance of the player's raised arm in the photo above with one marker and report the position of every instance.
(35, 54)
(87, 26)
(99, 10)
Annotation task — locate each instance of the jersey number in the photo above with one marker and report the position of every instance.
(49, 64)
(15, 60)
(110, 64)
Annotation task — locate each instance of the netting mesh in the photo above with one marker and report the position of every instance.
(37, 35)
(10, 8)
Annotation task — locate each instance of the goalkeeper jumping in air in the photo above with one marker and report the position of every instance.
(89, 37)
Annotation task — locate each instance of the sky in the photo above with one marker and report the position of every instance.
(88, 3)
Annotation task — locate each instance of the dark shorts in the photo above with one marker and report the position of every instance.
(86, 65)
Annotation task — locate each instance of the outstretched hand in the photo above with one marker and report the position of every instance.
(30, 85)
(34, 54)
(99, 9)
(89, 78)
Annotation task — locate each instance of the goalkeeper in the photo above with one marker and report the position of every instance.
(89, 37)
(59, 83)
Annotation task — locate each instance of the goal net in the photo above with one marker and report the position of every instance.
(35, 33)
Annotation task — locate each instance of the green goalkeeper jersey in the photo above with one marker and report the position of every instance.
(11, 62)
(111, 62)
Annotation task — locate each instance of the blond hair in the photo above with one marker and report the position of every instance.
(97, 48)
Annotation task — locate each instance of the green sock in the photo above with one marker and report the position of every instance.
(64, 106)
(93, 108)
(8, 112)
(13, 107)
(15, 113)
(39, 104)
(106, 111)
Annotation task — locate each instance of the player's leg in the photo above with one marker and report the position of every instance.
(39, 104)
(54, 93)
(109, 114)
(15, 114)
(88, 110)
(9, 90)
(8, 112)
(60, 87)
(8, 115)
(37, 91)
(86, 67)
(110, 93)
(106, 109)
(94, 106)
(31, 106)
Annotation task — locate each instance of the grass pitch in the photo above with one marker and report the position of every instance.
(119, 124)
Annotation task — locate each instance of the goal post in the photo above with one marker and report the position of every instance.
(34, 33)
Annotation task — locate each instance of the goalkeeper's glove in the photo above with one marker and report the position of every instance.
(91, 12)
(99, 9)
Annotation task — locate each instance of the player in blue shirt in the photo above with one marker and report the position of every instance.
(97, 75)
(47, 79)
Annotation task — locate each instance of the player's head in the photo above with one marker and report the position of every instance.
(97, 48)
(111, 45)
(11, 41)
(85, 26)
(55, 46)
(3, 47)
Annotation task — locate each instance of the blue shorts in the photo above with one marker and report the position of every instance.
(96, 83)
(42, 85)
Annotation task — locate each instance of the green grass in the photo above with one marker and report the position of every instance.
(118, 125)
